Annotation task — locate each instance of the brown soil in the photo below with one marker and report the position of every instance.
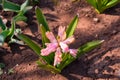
(103, 63)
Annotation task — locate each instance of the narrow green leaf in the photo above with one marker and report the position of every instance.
(102, 5)
(30, 43)
(42, 25)
(20, 18)
(93, 3)
(27, 8)
(12, 30)
(109, 4)
(3, 36)
(1, 71)
(2, 65)
(50, 58)
(24, 5)
(64, 59)
(0, 1)
(11, 71)
(71, 28)
(83, 49)
(2, 25)
(48, 67)
(104, 2)
(16, 41)
(41, 19)
(43, 28)
(89, 46)
(112, 3)
(10, 6)
(99, 4)
(44, 38)
(34, 47)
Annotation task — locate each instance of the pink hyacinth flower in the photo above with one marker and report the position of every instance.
(58, 45)
(73, 52)
(51, 47)
(58, 57)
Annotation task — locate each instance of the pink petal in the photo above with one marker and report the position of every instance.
(64, 47)
(61, 33)
(58, 57)
(73, 52)
(51, 47)
(69, 40)
(51, 37)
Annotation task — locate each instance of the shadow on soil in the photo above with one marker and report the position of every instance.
(114, 10)
(47, 4)
(82, 67)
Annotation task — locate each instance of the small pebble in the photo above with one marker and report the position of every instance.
(114, 32)
(5, 72)
(95, 19)
(17, 64)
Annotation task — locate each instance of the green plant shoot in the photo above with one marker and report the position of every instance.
(102, 5)
(55, 52)
(7, 34)
(20, 10)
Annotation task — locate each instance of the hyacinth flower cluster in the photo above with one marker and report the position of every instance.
(59, 45)
(55, 53)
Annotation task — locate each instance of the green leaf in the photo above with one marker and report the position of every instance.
(43, 26)
(41, 19)
(44, 38)
(2, 25)
(20, 18)
(24, 5)
(71, 28)
(30, 43)
(107, 5)
(34, 47)
(12, 30)
(11, 71)
(16, 41)
(83, 49)
(89, 46)
(101, 5)
(1, 71)
(93, 3)
(0, 1)
(104, 2)
(2, 65)
(3, 36)
(64, 59)
(48, 67)
(27, 8)
(10, 6)
(112, 3)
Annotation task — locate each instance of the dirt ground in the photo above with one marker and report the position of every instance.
(103, 63)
